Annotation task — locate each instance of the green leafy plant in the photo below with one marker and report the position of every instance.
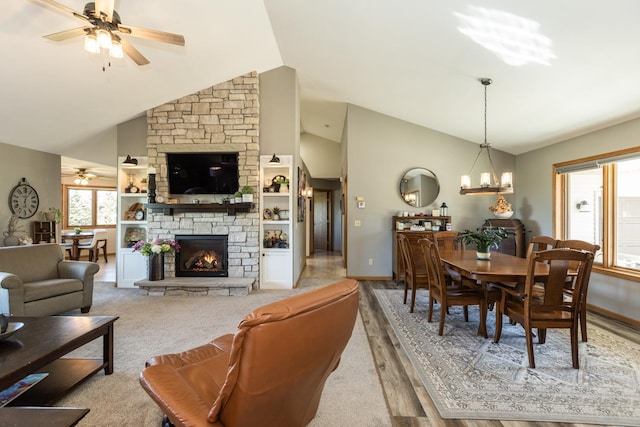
(53, 214)
(237, 194)
(485, 237)
(282, 181)
(247, 189)
(276, 211)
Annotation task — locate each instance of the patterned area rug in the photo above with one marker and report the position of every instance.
(471, 377)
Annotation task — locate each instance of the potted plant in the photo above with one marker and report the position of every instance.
(53, 214)
(247, 194)
(283, 184)
(237, 197)
(484, 239)
(276, 213)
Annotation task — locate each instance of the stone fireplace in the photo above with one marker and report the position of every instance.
(202, 256)
(222, 118)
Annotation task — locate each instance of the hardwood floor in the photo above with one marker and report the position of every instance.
(408, 401)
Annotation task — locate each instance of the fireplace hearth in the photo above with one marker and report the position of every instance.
(202, 256)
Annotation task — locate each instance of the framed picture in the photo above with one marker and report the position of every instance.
(301, 204)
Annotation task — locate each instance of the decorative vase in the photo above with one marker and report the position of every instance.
(503, 215)
(156, 267)
(247, 198)
(483, 254)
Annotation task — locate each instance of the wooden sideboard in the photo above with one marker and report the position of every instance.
(512, 245)
(414, 236)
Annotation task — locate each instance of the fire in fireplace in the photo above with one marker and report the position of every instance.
(202, 255)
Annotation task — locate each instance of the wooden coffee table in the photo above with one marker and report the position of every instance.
(40, 346)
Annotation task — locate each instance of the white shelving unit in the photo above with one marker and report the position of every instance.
(131, 266)
(276, 250)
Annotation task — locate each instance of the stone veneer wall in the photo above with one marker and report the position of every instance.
(223, 118)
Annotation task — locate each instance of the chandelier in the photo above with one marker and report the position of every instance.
(489, 183)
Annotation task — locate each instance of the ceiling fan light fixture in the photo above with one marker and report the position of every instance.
(116, 48)
(91, 44)
(104, 38)
(505, 186)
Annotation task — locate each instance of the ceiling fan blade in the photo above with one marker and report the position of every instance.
(133, 53)
(146, 33)
(64, 35)
(106, 7)
(66, 9)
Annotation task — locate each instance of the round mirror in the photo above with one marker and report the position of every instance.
(419, 187)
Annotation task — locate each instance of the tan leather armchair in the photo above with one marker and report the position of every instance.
(270, 373)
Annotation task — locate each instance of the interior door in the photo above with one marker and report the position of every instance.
(322, 228)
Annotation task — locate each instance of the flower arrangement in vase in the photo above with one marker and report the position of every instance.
(156, 246)
(155, 250)
(502, 208)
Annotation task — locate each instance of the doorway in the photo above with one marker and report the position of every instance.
(322, 220)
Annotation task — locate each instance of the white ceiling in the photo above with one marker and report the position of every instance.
(406, 59)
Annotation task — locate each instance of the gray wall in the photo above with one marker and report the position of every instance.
(280, 134)
(534, 200)
(42, 171)
(380, 149)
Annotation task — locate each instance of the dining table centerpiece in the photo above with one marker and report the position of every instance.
(155, 250)
(502, 208)
(484, 239)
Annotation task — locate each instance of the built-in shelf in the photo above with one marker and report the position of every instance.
(171, 208)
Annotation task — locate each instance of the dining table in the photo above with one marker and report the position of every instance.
(503, 270)
(75, 239)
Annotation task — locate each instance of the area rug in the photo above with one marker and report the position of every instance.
(470, 377)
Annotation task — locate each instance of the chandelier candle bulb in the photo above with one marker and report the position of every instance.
(485, 179)
(506, 180)
(465, 181)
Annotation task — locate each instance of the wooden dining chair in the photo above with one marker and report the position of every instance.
(549, 310)
(570, 285)
(449, 296)
(415, 275)
(541, 243)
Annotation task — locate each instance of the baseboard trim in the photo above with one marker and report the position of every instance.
(369, 277)
(613, 315)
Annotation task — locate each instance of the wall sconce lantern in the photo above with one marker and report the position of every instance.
(583, 206)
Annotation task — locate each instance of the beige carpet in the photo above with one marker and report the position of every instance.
(150, 326)
(470, 377)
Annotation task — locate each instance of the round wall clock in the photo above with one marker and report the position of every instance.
(23, 200)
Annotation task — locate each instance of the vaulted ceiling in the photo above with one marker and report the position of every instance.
(559, 68)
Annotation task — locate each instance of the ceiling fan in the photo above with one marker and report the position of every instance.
(82, 177)
(102, 30)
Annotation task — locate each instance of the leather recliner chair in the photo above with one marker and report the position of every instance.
(271, 372)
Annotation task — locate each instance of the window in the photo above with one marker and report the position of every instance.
(90, 207)
(598, 200)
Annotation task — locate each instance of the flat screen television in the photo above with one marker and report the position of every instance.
(202, 173)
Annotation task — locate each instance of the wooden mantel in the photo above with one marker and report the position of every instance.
(171, 208)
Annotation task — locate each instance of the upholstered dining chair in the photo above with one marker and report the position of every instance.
(270, 372)
(570, 286)
(98, 242)
(549, 309)
(415, 274)
(449, 296)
